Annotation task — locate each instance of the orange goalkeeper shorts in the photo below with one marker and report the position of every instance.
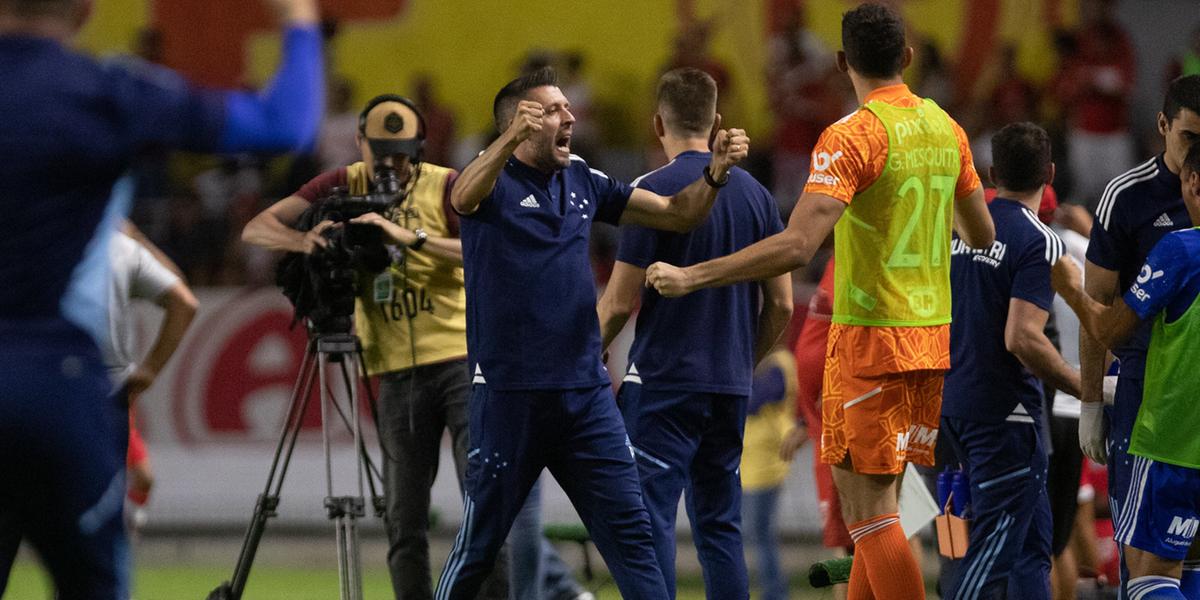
(881, 420)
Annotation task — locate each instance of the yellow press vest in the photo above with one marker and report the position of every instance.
(423, 318)
(892, 245)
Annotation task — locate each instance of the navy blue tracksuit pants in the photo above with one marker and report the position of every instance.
(62, 481)
(692, 442)
(579, 436)
(1008, 553)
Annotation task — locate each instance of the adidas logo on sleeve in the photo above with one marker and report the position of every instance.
(530, 202)
(1164, 221)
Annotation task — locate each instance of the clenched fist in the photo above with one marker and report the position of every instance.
(526, 122)
(729, 148)
(669, 280)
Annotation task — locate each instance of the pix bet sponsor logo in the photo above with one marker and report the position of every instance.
(1147, 275)
(821, 161)
(1183, 528)
(918, 126)
(918, 436)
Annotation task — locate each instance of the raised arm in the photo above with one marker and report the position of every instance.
(287, 114)
(687, 209)
(478, 178)
(776, 312)
(811, 222)
(1109, 324)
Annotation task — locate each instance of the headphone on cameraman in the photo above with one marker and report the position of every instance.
(416, 157)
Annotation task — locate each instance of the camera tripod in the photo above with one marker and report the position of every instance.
(323, 348)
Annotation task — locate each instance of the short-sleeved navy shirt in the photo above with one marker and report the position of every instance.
(1137, 209)
(986, 382)
(531, 298)
(71, 127)
(704, 341)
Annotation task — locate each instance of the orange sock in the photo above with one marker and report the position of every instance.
(889, 564)
(860, 587)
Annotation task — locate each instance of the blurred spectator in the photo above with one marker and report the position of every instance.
(768, 419)
(1094, 86)
(337, 145)
(804, 100)
(224, 191)
(692, 50)
(1012, 99)
(585, 140)
(935, 78)
(1188, 60)
(439, 122)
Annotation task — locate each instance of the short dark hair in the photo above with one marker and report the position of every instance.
(689, 96)
(1191, 162)
(38, 8)
(873, 40)
(505, 104)
(1184, 92)
(1020, 157)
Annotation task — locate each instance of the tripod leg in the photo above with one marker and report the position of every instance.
(268, 501)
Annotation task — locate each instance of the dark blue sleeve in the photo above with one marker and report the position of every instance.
(1162, 277)
(1108, 243)
(638, 244)
(1031, 274)
(160, 109)
(287, 115)
(611, 196)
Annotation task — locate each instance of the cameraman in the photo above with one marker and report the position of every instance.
(411, 319)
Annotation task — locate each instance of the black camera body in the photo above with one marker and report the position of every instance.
(321, 285)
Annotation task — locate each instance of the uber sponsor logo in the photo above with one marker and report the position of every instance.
(1144, 277)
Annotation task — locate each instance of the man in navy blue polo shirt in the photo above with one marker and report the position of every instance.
(71, 127)
(993, 397)
(542, 397)
(685, 394)
(1138, 208)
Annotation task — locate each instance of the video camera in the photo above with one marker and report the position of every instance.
(321, 285)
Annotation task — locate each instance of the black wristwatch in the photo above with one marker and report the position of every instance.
(421, 237)
(713, 182)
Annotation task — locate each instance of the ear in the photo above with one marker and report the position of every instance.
(842, 65)
(1164, 124)
(716, 128)
(1050, 172)
(908, 57)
